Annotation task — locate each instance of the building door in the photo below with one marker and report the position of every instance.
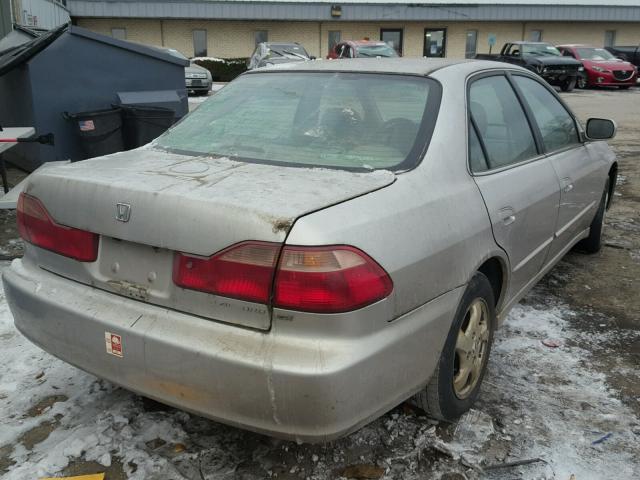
(393, 38)
(471, 45)
(435, 42)
(199, 43)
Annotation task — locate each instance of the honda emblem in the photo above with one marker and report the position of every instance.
(123, 212)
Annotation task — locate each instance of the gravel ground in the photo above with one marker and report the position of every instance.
(570, 410)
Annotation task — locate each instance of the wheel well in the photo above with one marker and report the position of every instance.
(492, 269)
(613, 176)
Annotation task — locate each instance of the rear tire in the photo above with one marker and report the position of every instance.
(593, 243)
(451, 391)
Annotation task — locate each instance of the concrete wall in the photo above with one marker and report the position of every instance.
(228, 39)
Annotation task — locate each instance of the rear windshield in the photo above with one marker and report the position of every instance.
(382, 50)
(328, 119)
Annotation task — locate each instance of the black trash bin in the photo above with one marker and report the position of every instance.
(100, 131)
(142, 123)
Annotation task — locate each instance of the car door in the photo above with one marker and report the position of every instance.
(581, 177)
(518, 184)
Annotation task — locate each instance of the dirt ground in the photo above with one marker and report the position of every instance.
(571, 410)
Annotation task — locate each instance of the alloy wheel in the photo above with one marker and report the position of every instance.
(471, 348)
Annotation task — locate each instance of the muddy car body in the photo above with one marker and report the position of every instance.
(302, 280)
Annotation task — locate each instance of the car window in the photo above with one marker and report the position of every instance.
(501, 121)
(477, 160)
(325, 119)
(557, 126)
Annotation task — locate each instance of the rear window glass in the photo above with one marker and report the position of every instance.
(339, 120)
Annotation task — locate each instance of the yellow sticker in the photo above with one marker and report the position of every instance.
(94, 476)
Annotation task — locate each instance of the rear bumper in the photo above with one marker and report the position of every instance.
(299, 388)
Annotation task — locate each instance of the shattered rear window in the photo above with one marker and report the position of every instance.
(340, 120)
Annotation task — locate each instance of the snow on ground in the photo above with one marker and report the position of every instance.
(537, 401)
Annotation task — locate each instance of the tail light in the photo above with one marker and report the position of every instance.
(313, 279)
(328, 279)
(36, 226)
(243, 271)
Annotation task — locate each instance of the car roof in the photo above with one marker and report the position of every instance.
(407, 66)
(524, 42)
(366, 42)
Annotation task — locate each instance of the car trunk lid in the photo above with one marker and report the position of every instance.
(147, 204)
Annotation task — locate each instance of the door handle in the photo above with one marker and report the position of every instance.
(507, 215)
(567, 185)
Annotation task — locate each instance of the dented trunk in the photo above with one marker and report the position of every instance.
(147, 204)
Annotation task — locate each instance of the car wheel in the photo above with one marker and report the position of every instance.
(582, 81)
(455, 384)
(593, 243)
(568, 85)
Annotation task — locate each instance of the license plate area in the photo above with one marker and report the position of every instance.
(135, 270)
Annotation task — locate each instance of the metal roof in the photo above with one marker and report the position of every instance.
(364, 10)
(409, 66)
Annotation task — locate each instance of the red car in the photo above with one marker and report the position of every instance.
(361, 49)
(601, 68)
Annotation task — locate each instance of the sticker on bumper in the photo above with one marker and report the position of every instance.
(113, 343)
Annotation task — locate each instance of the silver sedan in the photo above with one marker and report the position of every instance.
(300, 261)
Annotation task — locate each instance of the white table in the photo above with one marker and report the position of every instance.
(11, 132)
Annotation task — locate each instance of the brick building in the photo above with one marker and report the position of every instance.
(453, 28)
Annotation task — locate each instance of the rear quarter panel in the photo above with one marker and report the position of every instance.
(429, 230)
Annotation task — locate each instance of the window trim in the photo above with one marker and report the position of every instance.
(393, 30)
(444, 41)
(472, 79)
(529, 112)
(542, 154)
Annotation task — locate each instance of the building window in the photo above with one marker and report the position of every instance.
(435, 42)
(471, 45)
(334, 38)
(119, 33)
(536, 36)
(609, 38)
(199, 43)
(261, 36)
(393, 38)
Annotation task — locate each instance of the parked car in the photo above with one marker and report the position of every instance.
(270, 53)
(601, 68)
(362, 49)
(629, 54)
(198, 79)
(300, 277)
(541, 58)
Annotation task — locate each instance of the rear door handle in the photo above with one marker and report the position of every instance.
(567, 185)
(507, 215)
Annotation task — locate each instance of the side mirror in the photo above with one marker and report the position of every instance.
(600, 129)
